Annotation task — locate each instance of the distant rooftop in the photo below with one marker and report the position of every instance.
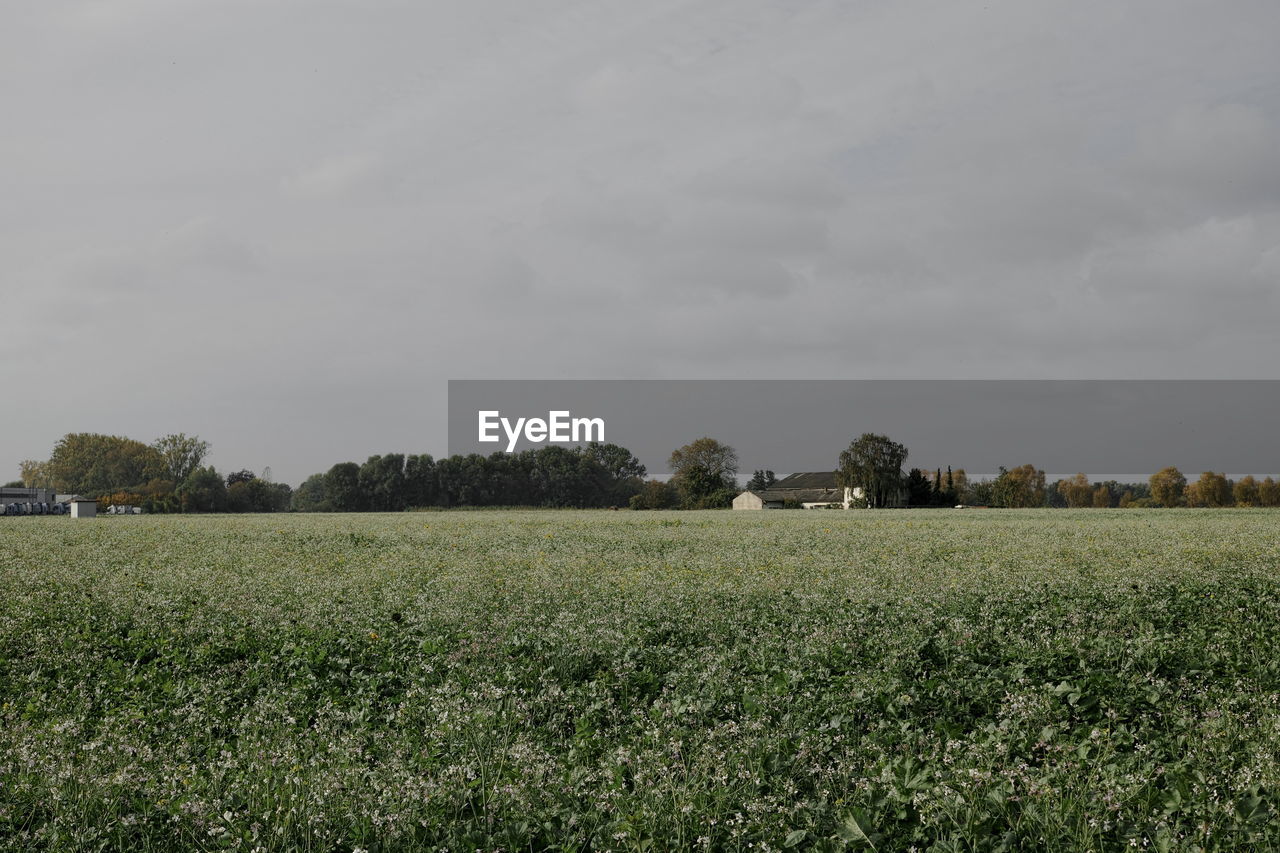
(807, 480)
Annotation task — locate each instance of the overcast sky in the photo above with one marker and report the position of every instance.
(284, 224)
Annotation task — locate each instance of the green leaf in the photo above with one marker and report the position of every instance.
(794, 837)
(851, 829)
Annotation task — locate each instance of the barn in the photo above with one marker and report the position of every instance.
(809, 490)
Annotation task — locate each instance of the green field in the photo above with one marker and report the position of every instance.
(936, 680)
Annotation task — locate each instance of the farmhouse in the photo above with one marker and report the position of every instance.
(810, 490)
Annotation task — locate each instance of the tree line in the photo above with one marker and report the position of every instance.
(596, 475)
(875, 462)
(164, 476)
(169, 475)
(1026, 486)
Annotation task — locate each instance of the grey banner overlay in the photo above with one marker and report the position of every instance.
(1103, 428)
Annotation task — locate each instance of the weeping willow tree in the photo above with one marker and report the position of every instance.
(873, 463)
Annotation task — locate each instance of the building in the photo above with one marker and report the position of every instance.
(82, 507)
(808, 490)
(27, 496)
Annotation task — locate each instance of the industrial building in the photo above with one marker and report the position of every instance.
(21, 495)
(24, 501)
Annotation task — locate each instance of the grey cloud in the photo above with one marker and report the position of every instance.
(327, 209)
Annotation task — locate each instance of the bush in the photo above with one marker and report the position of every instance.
(719, 499)
(654, 494)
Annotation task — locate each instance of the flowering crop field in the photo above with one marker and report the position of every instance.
(929, 680)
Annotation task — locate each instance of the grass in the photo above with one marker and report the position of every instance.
(936, 680)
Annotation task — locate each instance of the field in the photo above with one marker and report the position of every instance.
(931, 680)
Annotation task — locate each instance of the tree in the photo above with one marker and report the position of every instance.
(242, 496)
(310, 496)
(761, 480)
(92, 464)
(617, 461)
(1211, 490)
(342, 488)
(982, 493)
(1269, 493)
(1245, 491)
(623, 472)
(35, 475)
(181, 454)
(420, 480)
(257, 495)
(1023, 486)
(919, 492)
(654, 494)
(1076, 491)
(1102, 497)
(279, 496)
(703, 472)
(561, 477)
(949, 490)
(381, 479)
(244, 475)
(962, 492)
(203, 491)
(1168, 486)
(873, 463)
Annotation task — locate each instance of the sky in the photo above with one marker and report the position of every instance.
(284, 225)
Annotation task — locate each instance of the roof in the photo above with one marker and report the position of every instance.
(809, 480)
(802, 495)
(76, 499)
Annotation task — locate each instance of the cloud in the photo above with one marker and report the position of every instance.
(1224, 154)
(342, 177)
(306, 206)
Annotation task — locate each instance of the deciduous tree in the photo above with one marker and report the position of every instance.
(420, 480)
(382, 481)
(342, 488)
(35, 475)
(1076, 491)
(1023, 486)
(92, 464)
(703, 472)
(310, 496)
(1269, 492)
(181, 454)
(1168, 487)
(623, 472)
(1245, 491)
(654, 494)
(203, 491)
(873, 463)
(1213, 490)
